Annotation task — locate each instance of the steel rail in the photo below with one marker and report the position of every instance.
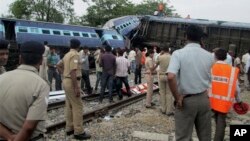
(59, 104)
(102, 111)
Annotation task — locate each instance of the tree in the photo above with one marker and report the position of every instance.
(148, 7)
(20, 9)
(103, 10)
(43, 10)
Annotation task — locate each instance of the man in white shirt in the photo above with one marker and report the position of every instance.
(131, 58)
(44, 67)
(245, 58)
(122, 66)
(247, 72)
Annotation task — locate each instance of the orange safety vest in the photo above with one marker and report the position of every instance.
(224, 79)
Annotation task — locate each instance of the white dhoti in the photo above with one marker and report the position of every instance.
(43, 69)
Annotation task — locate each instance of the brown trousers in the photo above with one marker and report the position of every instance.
(149, 79)
(166, 98)
(74, 108)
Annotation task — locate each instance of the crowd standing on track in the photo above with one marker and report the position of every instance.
(191, 73)
(84, 60)
(190, 67)
(22, 99)
(4, 54)
(71, 68)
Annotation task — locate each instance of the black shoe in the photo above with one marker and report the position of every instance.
(170, 114)
(68, 133)
(100, 100)
(120, 98)
(153, 104)
(148, 106)
(129, 94)
(111, 101)
(83, 136)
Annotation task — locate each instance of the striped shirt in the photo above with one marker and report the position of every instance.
(122, 65)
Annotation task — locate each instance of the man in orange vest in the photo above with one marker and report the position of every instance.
(223, 91)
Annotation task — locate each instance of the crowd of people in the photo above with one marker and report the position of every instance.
(191, 74)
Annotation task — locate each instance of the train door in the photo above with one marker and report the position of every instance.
(9, 27)
(99, 32)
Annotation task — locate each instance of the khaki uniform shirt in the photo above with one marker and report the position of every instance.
(24, 96)
(149, 64)
(2, 70)
(163, 61)
(71, 61)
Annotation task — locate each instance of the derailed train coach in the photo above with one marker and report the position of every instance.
(171, 32)
(18, 31)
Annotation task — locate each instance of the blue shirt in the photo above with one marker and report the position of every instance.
(192, 66)
(53, 59)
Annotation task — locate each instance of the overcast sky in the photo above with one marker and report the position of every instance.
(227, 10)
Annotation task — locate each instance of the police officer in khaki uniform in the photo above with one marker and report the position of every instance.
(24, 101)
(71, 68)
(4, 53)
(166, 99)
(149, 72)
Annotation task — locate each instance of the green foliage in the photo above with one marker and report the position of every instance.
(43, 10)
(98, 12)
(20, 9)
(103, 10)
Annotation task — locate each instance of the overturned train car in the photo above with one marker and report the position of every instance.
(17, 31)
(171, 31)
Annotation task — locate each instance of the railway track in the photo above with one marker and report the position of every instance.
(88, 116)
(59, 104)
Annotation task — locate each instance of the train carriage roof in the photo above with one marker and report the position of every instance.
(117, 21)
(180, 20)
(40, 24)
(235, 25)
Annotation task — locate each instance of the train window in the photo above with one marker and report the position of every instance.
(93, 35)
(56, 32)
(22, 29)
(45, 31)
(127, 24)
(124, 25)
(114, 37)
(33, 30)
(85, 35)
(76, 34)
(121, 27)
(66, 33)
